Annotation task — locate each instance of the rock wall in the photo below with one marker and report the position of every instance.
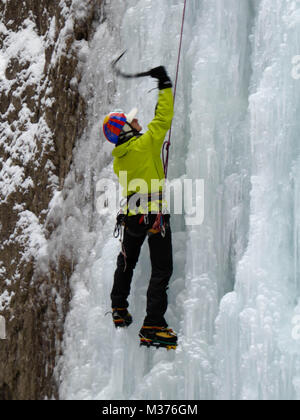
(41, 116)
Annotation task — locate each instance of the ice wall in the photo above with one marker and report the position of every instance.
(256, 320)
(235, 286)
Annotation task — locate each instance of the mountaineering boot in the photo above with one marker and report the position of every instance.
(121, 317)
(158, 337)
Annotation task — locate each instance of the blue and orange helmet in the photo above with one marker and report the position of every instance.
(115, 123)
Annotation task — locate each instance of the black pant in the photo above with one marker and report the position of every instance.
(162, 268)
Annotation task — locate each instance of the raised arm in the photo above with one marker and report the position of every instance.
(159, 126)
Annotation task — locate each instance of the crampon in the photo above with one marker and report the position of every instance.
(158, 337)
(121, 317)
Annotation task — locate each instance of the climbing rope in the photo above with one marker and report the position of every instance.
(167, 144)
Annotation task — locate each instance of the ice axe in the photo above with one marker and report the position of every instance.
(125, 75)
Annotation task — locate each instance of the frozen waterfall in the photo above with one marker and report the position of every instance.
(234, 294)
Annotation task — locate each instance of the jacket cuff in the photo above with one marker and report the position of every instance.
(165, 84)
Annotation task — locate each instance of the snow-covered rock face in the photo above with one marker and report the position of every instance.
(233, 297)
(41, 113)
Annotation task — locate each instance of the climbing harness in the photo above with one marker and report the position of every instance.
(167, 144)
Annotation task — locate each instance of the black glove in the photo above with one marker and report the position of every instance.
(161, 74)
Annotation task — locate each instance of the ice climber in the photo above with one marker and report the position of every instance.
(139, 157)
